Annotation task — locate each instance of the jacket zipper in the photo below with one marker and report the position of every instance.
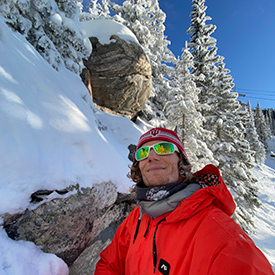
(137, 227)
(147, 229)
(155, 245)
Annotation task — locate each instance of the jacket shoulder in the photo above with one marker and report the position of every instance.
(211, 177)
(209, 169)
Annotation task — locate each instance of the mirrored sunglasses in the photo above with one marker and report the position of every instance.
(162, 148)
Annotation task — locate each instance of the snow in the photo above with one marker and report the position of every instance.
(57, 19)
(264, 235)
(30, 260)
(103, 29)
(52, 136)
(46, 114)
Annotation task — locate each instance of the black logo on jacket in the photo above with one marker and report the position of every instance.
(164, 267)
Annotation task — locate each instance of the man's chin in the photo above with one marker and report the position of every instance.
(156, 182)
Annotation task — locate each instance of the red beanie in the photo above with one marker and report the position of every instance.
(163, 134)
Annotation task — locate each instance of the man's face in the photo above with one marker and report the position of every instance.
(159, 170)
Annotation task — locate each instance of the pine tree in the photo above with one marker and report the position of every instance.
(262, 129)
(96, 10)
(269, 119)
(183, 116)
(253, 138)
(223, 115)
(52, 27)
(203, 48)
(272, 120)
(235, 157)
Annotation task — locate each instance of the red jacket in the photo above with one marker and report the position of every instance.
(197, 238)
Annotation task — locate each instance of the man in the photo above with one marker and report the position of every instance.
(182, 224)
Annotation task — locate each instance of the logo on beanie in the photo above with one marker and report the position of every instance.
(155, 132)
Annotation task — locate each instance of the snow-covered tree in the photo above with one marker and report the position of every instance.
(272, 111)
(253, 138)
(261, 126)
(96, 10)
(52, 27)
(181, 110)
(269, 115)
(223, 115)
(235, 157)
(203, 47)
(272, 115)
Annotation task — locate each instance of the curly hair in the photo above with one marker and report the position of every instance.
(184, 171)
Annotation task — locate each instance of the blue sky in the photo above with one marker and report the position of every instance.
(245, 38)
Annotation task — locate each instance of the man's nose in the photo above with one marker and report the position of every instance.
(152, 154)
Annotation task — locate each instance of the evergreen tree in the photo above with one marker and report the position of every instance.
(183, 116)
(235, 157)
(253, 138)
(52, 27)
(261, 126)
(269, 119)
(203, 47)
(223, 115)
(96, 10)
(272, 120)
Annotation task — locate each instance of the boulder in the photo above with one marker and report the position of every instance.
(118, 76)
(87, 260)
(75, 228)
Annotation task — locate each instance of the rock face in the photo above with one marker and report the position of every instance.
(118, 76)
(76, 228)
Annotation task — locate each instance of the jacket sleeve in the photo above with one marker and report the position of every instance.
(112, 258)
(241, 257)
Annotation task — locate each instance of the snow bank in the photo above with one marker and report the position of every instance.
(104, 28)
(23, 257)
(51, 138)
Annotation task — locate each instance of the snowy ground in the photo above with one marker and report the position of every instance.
(52, 137)
(264, 236)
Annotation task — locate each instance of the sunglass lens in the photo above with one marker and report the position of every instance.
(164, 148)
(142, 153)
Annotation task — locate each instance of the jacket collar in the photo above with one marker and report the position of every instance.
(157, 208)
(156, 193)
